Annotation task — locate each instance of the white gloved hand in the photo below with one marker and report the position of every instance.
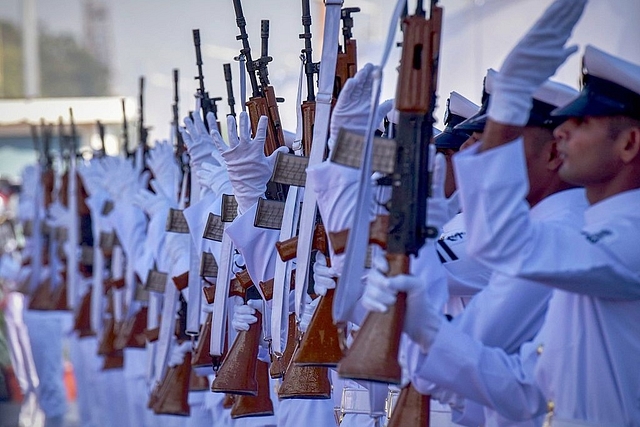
(58, 215)
(422, 320)
(245, 315)
(309, 309)
(438, 206)
(165, 169)
(93, 175)
(176, 245)
(199, 142)
(324, 278)
(532, 61)
(215, 177)
(153, 203)
(354, 105)
(249, 169)
(176, 357)
(125, 181)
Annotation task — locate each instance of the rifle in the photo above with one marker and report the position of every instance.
(125, 130)
(143, 132)
(310, 70)
(230, 99)
(103, 151)
(206, 103)
(263, 101)
(181, 149)
(347, 62)
(376, 360)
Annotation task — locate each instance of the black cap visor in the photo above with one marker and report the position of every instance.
(601, 97)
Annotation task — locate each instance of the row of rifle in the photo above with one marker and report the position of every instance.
(305, 356)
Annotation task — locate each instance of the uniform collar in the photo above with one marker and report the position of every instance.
(560, 201)
(625, 203)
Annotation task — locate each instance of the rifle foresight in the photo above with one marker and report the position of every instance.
(347, 21)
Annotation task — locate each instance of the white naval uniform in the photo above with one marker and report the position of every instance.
(583, 361)
(510, 311)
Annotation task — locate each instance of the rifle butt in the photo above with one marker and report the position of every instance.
(373, 356)
(279, 364)
(412, 409)
(201, 356)
(320, 345)
(173, 394)
(259, 405)
(82, 321)
(198, 383)
(241, 358)
(305, 382)
(131, 334)
(114, 360)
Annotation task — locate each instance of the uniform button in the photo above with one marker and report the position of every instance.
(551, 406)
(539, 349)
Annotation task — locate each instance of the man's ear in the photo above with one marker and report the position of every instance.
(631, 148)
(553, 158)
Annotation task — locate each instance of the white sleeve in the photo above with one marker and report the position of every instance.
(483, 374)
(502, 235)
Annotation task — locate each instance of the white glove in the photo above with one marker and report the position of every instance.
(324, 278)
(249, 169)
(177, 353)
(422, 320)
(176, 245)
(354, 105)
(153, 203)
(124, 179)
(438, 206)
(532, 61)
(309, 309)
(165, 169)
(58, 215)
(215, 177)
(199, 142)
(244, 315)
(93, 175)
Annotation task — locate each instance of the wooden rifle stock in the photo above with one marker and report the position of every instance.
(196, 382)
(172, 397)
(201, 356)
(82, 321)
(267, 106)
(280, 363)
(132, 331)
(320, 345)
(113, 358)
(308, 120)
(378, 231)
(287, 248)
(413, 409)
(374, 353)
(300, 382)
(257, 405)
(346, 66)
(241, 359)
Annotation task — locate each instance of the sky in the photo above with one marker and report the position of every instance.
(151, 37)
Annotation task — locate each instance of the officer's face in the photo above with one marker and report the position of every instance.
(588, 153)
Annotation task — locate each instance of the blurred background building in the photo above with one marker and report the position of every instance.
(88, 54)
